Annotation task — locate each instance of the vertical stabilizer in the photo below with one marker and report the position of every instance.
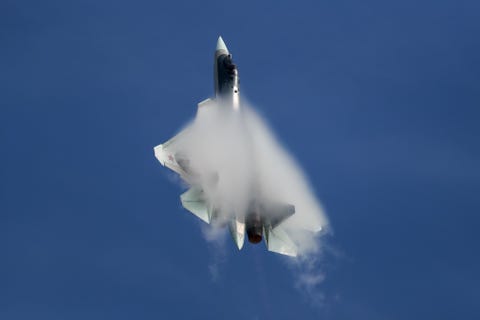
(237, 230)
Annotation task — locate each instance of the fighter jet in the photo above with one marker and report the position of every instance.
(263, 217)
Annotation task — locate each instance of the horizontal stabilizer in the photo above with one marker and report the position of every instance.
(193, 201)
(278, 241)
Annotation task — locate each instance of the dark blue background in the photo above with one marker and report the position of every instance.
(378, 100)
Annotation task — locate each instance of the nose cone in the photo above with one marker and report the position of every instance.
(221, 45)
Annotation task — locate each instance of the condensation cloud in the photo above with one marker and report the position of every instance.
(235, 158)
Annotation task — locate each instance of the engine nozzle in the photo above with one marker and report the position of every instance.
(254, 237)
(254, 228)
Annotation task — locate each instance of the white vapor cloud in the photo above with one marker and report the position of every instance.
(215, 238)
(236, 158)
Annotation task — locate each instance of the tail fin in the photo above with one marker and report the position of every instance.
(237, 230)
(278, 241)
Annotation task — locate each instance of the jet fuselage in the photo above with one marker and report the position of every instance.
(226, 80)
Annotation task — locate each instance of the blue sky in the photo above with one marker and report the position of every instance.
(377, 100)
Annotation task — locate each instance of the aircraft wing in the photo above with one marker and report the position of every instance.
(205, 105)
(167, 153)
(278, 212)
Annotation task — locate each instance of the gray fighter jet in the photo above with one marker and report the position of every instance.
(264, 217)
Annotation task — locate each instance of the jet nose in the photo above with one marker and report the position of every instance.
(221, 45)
